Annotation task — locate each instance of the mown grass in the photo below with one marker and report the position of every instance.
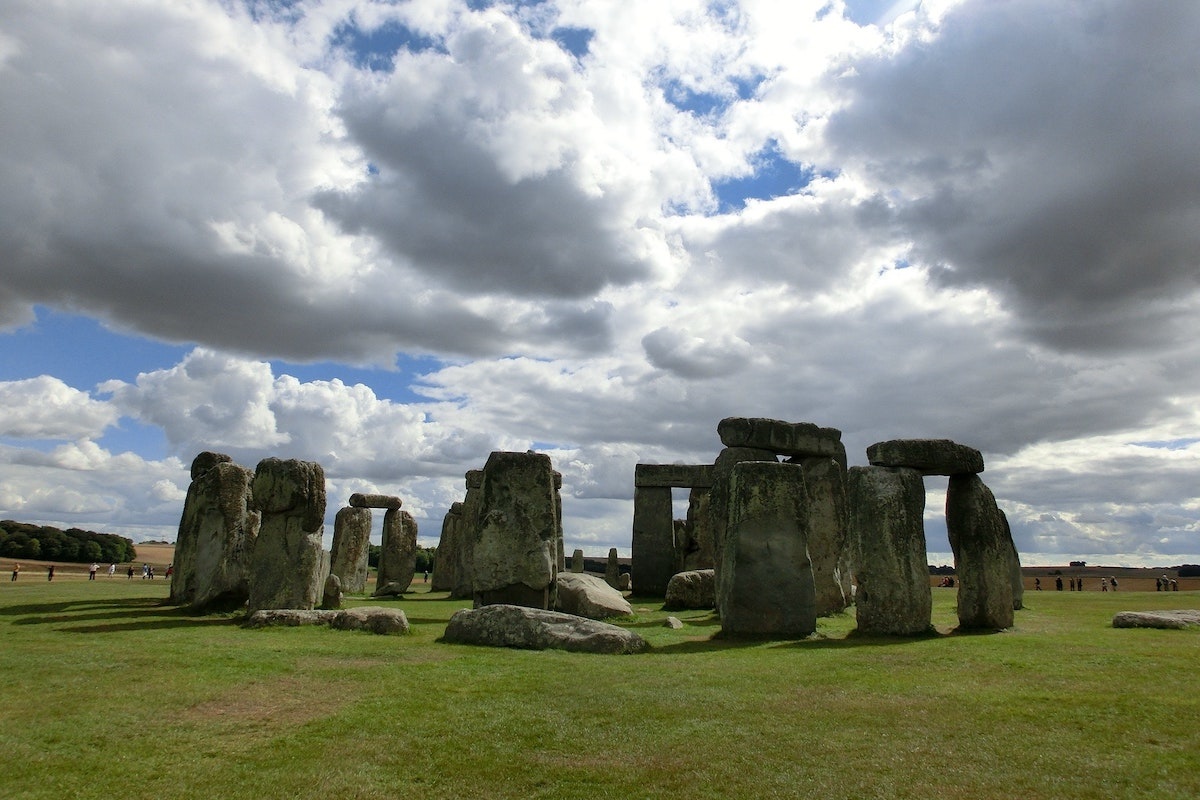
(108, 693)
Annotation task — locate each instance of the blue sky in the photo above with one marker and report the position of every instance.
(393, 237)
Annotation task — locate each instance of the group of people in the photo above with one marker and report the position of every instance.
(1076, 584)
(147, 571)
(1165, 584)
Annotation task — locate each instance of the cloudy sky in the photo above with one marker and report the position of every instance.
(392, 237)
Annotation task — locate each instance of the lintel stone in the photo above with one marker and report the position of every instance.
(783, 438)
(359, 500)
(683, 476)
(929, 456)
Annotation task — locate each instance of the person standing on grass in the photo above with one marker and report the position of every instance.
(1037, 584)
(92, 570)
(112, 570)
(50, 573)
(16, 570)
(1058, 583)
(129, 574)
(1113, 581)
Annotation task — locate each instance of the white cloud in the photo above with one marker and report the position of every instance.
(46, 408)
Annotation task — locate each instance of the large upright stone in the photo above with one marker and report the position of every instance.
(828, 518)
(887, 540)
(928, 456)
(765, 586)
(397, 553)
(349, 552)
(653, 542)
(286, 570)
(216, 536)
(718, 495)
(983, 550)
(577, 562)
(445, 565)
(793, 439)
(467, 535)
(612, 569)
(515, 555)
(1014, 567)
(697, 551)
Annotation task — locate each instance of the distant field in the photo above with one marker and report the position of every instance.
(109, 693)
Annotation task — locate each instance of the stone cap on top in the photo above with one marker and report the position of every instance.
(784, 438)
(360, 500)
(683, 476)
(929, 456)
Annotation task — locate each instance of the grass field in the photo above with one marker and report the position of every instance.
(108, 693)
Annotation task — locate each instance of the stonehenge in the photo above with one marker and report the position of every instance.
(288, 567)
(777, 484)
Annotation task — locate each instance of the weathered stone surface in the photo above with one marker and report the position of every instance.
(928, 456)
(887, 542)
(695, 551)
(783, 438)
(397, 553)
(1014, 566)
(350, 548)
(288, 568)
(1176, 619)
(695, 588)
(538, 629)
(625, 582)
(467, 536)
(206, 460)
(674, 623)
(828, 545)
(653, 543)
(577, 561)
(215, 542)
(445, 564)
(683, 476)
(515, 554)
(588, 596)
(288, 617)
(982, 549)
(383, 621)
(765, 585)
(718, 495)
(360, 500)
(374, 619)
(612, 569)
(331, 598)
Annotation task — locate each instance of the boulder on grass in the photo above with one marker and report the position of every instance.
(527, 628)
(696, 588)
(375, 619)
(588, 596)
(1178, 620)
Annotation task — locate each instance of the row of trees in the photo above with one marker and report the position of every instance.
(425, 557)
(46, 543)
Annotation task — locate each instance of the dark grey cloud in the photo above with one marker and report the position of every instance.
(1047, 152)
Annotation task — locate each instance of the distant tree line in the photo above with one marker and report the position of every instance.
(425, 557)
(46, 543)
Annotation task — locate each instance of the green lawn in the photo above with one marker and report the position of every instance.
(109, 694)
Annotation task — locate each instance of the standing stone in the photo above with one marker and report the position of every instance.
(445, 562)
(982, 554)
(286, 570)
(765, 586)
(1014, 566)
(515, 558)
(698, 549)
(653, 541)
(467, 535)
(332, 597)
(577, 561)
(351, 547)
(887, 540)
(828, 517)
(718, 503)
(397, 554)
(612, 569)
(561, 553)
(216, 536)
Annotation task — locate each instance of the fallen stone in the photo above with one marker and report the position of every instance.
(288, 617)
(588, 596)
(929, 456)
(674, 623)
(1175, 620)
(374, 619)
(695, 588)
(527, 628)
(359, 500)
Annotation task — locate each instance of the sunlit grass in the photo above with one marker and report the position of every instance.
(108, 693)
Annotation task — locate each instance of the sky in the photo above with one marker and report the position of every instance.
(392, 237)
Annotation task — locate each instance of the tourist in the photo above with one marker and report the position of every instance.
(92, 570)
(129, 574)
(1113, 581)
(112, 570)
(170, 570)
(16, 571)
(50, 572)
(1104, 584)
(1072, 584)
(1037, 584)
(1058, 583)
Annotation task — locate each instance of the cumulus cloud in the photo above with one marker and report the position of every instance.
(46, 408)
